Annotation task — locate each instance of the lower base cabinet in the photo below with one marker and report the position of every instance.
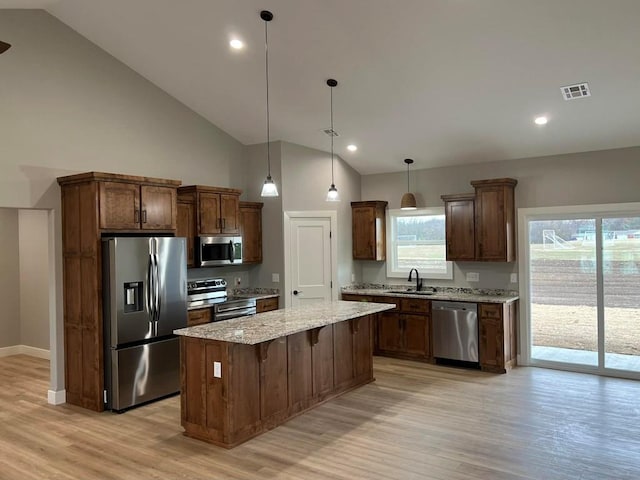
(497, 336)
(405, 332)
(261, 386)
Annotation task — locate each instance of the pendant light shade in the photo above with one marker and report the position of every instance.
(4, 46)
(332, 194)
(269, 188)
(408, 201)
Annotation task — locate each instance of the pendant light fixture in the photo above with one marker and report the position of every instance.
(4, 46)
(332, 194)
(408, 201)
(269, 188)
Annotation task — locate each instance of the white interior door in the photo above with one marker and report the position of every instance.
(310, 260)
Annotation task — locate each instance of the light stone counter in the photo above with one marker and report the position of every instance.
(281, 323)
(452, 295)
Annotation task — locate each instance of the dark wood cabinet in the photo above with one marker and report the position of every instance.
(261, 386)
(185, 227)
(251, 231)
(92, 204)
(403, 332)
(481, 226)
(368, 230)
(497, 335)
(460, 226)
(267, 304)
(495, 220)
(131, 206)
(199, 317)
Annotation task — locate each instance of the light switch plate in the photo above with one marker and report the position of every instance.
(275, 277)
(217, 370)
(514, 278)
(473, 277)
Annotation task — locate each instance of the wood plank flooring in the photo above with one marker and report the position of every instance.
(416, 421)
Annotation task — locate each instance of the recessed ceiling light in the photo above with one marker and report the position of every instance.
(541, 120)
(352, 148)
(236, 44)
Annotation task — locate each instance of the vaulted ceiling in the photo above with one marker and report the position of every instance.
(446, 82)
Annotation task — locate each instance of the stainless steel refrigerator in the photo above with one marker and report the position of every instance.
(145, 299)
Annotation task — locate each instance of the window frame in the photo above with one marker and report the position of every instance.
(392, 258)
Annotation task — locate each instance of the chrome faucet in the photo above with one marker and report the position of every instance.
(418, 281)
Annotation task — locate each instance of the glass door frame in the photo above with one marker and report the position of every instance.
(597, 212)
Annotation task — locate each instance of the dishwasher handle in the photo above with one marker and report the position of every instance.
(464, 306)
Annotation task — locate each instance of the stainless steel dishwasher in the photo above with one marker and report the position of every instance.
(455, 331)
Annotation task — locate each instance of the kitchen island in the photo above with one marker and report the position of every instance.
(244, 376)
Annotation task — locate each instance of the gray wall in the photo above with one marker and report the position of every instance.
(608, 176)
(69, 107)
(9, 279)
(34, 278)
(306, 178)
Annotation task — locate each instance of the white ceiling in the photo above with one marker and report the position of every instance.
(446, 82)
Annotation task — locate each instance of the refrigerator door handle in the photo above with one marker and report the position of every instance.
(156, 282)
(151, 291)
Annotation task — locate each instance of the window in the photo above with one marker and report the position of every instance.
(416, 239)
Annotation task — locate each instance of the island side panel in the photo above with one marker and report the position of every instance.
(322, 360)
(363, 332)
(299, 371)
(343, 342)
(273, 379)
(243, 393)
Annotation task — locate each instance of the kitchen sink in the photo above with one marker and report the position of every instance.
(411, 292)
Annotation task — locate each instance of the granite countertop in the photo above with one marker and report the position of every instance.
(280, 323)
(441, 293)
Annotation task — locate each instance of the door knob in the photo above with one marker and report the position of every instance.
(295, 292)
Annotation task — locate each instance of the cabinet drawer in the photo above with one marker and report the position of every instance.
(415, 305)
(490, 310)
(394, 300)
(198, 317)
(266, 304)
(352, 297)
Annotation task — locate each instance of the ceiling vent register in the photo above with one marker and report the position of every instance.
(330, 132)
(579, 90)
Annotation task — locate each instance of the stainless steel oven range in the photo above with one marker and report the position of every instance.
(213, 292)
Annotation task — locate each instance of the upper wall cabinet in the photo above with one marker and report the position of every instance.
(217, 210)
(460, 226)
(368, 230)
(133, 206)
(251, 230)
(481, 226)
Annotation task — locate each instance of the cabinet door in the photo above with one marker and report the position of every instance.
(491, 347)
(251, 230)
(389, 332)
(209, 213)
(490, 224)
(415, 335)
(119, 206)
(185, 227)
(460, 230)
(364, 233)
(230, 213)
(159, 208)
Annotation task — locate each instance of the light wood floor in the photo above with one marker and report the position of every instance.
(415, 422)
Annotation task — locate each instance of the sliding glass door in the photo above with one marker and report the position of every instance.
(581, 288)
(621, 288)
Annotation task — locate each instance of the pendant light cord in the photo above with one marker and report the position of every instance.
(408, 189)
(266, 55)
(332, 135)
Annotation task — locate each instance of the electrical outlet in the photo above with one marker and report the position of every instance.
(217, 370)
(473, 277)
(353, 277)
(275, 277)
(514, 278)
(238, 281)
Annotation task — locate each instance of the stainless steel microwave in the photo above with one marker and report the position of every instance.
(217, 251)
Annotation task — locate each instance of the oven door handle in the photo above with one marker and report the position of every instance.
(241, 312)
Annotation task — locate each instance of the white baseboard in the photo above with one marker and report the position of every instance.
(56, 397)
(24, 350)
